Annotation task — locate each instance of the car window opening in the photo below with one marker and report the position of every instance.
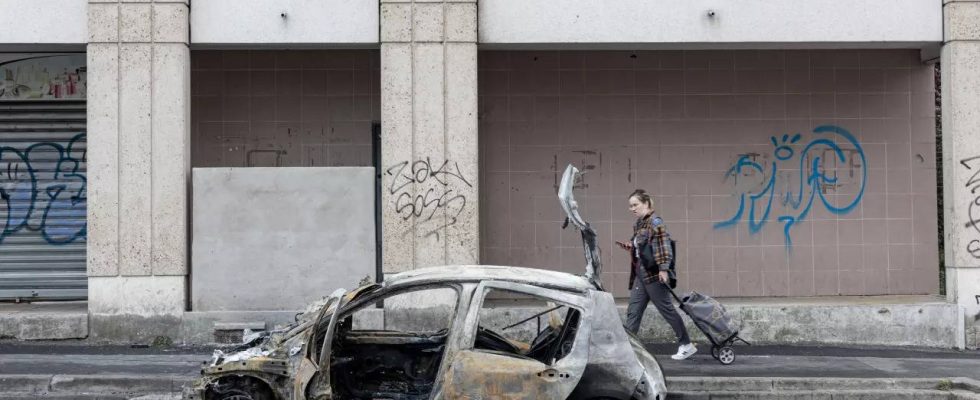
(545, 331)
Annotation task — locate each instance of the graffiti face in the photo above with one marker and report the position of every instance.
(783, 150)
(42, 189)
(797, 199)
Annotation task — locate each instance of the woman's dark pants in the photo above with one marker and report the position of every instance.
(657, 292)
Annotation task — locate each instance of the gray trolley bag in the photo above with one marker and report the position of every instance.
(712, 319)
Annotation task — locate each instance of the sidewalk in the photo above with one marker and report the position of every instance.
(824, 362)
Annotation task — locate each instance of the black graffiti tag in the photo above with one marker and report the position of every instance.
(974, 248)
(424, 205)
(973, 211)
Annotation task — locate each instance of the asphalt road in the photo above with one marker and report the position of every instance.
(754, 361)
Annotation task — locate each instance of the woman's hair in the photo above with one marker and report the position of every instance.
(642, 196)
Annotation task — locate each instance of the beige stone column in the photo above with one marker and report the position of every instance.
(429, 133)
(138, 163)
(961, 159)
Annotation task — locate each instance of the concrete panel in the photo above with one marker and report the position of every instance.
(137, 295)
(429, 146)
(171, 158)
(44, 321)
(135, 22)
(262, 22)
(461, 22)
(396, 147)
(462, 230)
(270, 239)
(961, 173)
(428, 22)
(135, 152)
(962, 21)
(171, 23)
(688, 22)
(103, 159)
(44, 22)
(133, 328)
(961, 152)
(396, 22)
(103, 22)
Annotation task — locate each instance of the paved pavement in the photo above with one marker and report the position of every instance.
(828, 362)
(752, 361)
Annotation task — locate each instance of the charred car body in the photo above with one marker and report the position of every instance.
(440, 333)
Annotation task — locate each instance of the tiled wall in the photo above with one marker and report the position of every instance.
(285, 108)
(677, 123)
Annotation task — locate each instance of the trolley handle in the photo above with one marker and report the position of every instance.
(673, 294)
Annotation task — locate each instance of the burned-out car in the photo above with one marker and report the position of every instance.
(468, 332)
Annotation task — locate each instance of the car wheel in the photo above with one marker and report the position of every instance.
(239, 388)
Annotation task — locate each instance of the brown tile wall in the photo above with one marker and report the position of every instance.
(286, 107)
(673, 123)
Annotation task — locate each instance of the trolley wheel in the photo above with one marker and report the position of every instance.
(726, 355)
(714, 351)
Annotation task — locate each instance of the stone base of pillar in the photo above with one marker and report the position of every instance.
(136, 309)
(130, 328)
(963, 286)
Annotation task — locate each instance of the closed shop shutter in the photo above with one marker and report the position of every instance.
(42, 200)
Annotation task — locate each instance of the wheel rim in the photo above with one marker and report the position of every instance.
(726, 355)
(714, 352)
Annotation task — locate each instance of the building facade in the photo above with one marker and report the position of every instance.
(188, 167)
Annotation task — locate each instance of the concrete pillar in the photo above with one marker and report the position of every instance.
(429, 133)
(961, 159)
(138, 163)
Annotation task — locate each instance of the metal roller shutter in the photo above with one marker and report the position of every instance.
(42, 200)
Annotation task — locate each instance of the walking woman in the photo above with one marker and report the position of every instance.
(650, 259)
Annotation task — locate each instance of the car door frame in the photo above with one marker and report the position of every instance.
(573, 363)
(344, 308)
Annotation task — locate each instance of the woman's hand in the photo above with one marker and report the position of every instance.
(628, 246)
(664, 277)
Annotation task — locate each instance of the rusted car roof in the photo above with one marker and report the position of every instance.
(470, 273)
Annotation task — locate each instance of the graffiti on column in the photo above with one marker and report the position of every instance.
(42, 189)
(431, 193)
(817, 167)
(973, 211)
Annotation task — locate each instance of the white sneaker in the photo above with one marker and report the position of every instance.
(685, 351)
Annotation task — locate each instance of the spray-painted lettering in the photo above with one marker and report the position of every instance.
(973, 210)
(42, 189)
(432, 193)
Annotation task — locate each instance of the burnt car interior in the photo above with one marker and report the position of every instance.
(552, 339)
(397, 358)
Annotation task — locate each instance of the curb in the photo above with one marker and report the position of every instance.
(52, 386)
(705, 388)
(161, 386)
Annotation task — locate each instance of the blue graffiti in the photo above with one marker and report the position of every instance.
(43, 189)
(813, 180)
